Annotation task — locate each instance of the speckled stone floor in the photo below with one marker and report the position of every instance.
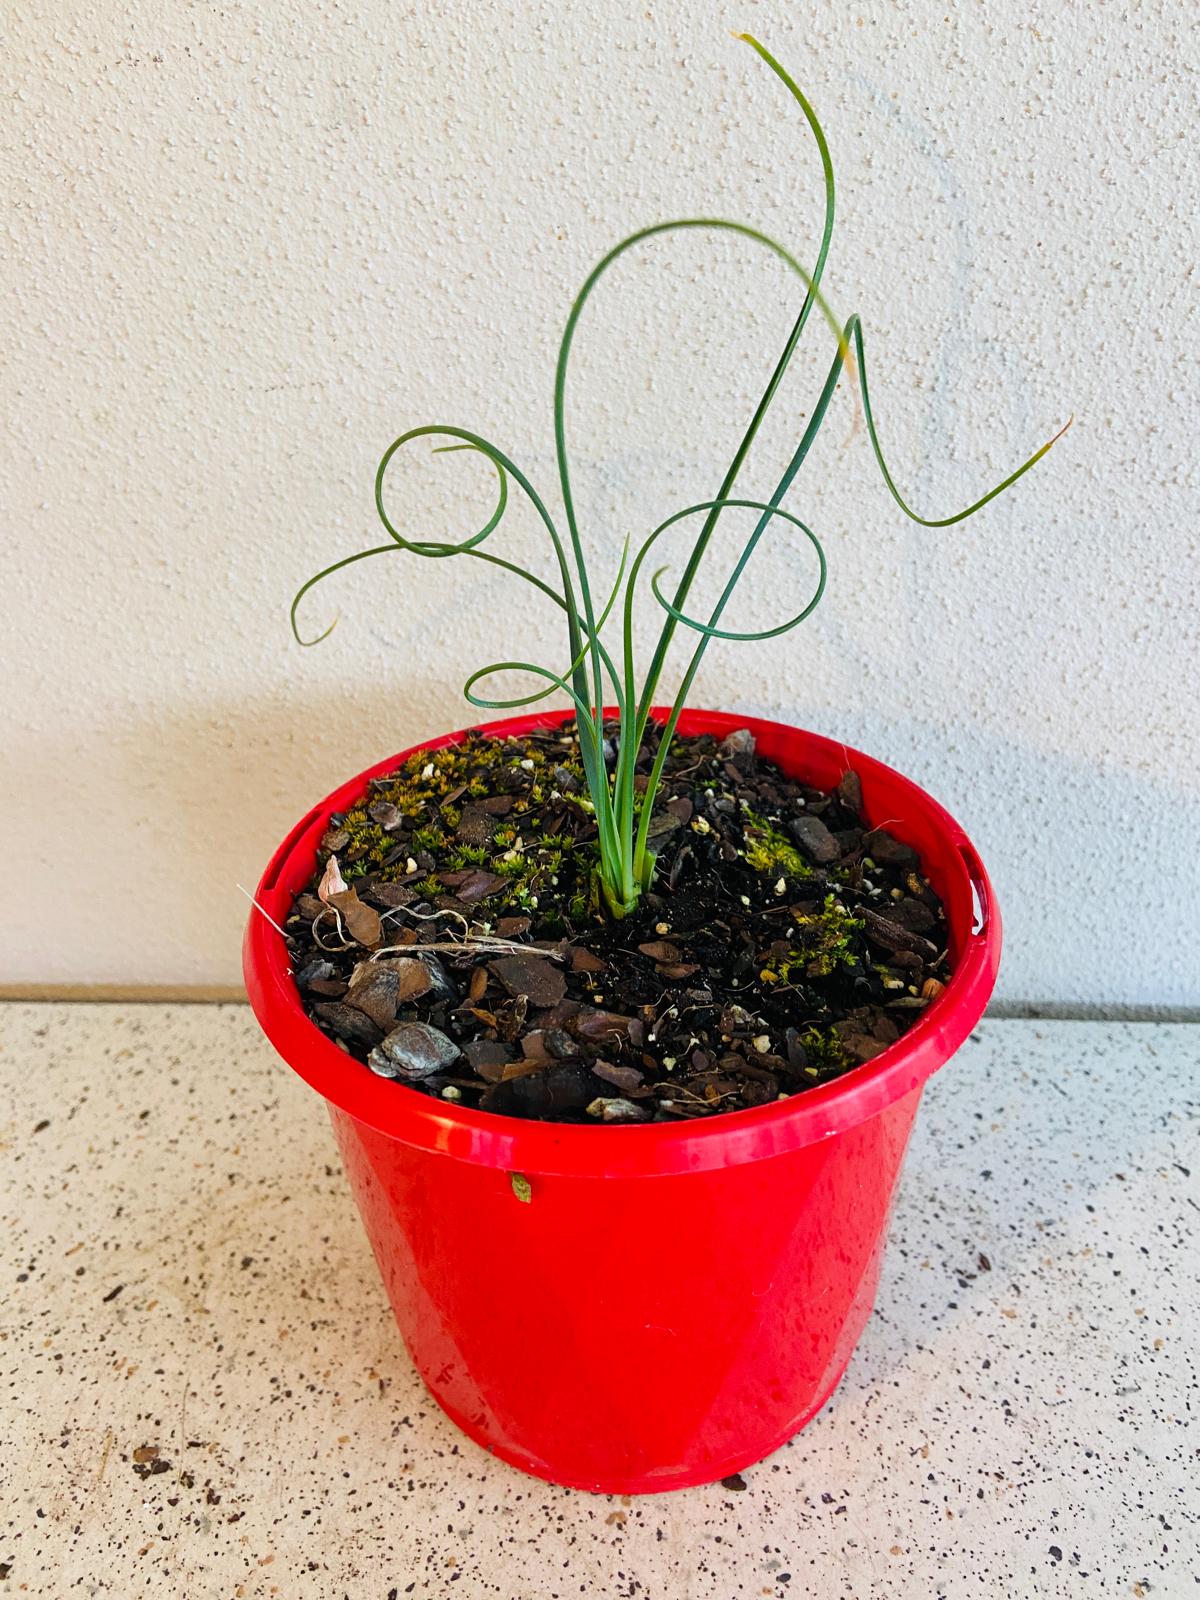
(185, 1274)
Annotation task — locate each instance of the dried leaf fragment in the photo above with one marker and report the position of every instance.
(661, 950)
(332, 883)
(362, 923)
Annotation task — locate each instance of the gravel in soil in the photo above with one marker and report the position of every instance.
(451, 938)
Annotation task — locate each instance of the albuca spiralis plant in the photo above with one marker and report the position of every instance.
(626, 863)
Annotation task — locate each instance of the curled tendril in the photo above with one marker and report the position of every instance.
(493, 703)
(709, 629)
(553, 680)
(582, 629)
(467, 441)
(436, 549)
(439, 549)
(432, 547)
(424, 547)
(318, 577)
(854, 330)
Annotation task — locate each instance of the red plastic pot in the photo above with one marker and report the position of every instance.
(674, 1300)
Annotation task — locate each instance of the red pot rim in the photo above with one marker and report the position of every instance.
(650, 1149)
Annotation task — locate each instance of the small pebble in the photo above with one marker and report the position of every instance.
(412, 1050)
(616, 1110)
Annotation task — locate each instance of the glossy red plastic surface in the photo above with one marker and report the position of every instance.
(675, 1300)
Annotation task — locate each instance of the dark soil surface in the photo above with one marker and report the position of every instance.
(450, 939)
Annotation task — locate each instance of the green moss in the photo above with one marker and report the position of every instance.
(430, 837)
(428, 887)
(366, 846)
(510, 866)
(825, 1052)
(770, 851)
(825, 939)
(466, 855)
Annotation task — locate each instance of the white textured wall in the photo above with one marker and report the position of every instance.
(246, 245)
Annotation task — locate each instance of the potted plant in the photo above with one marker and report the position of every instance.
(623, 1016)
